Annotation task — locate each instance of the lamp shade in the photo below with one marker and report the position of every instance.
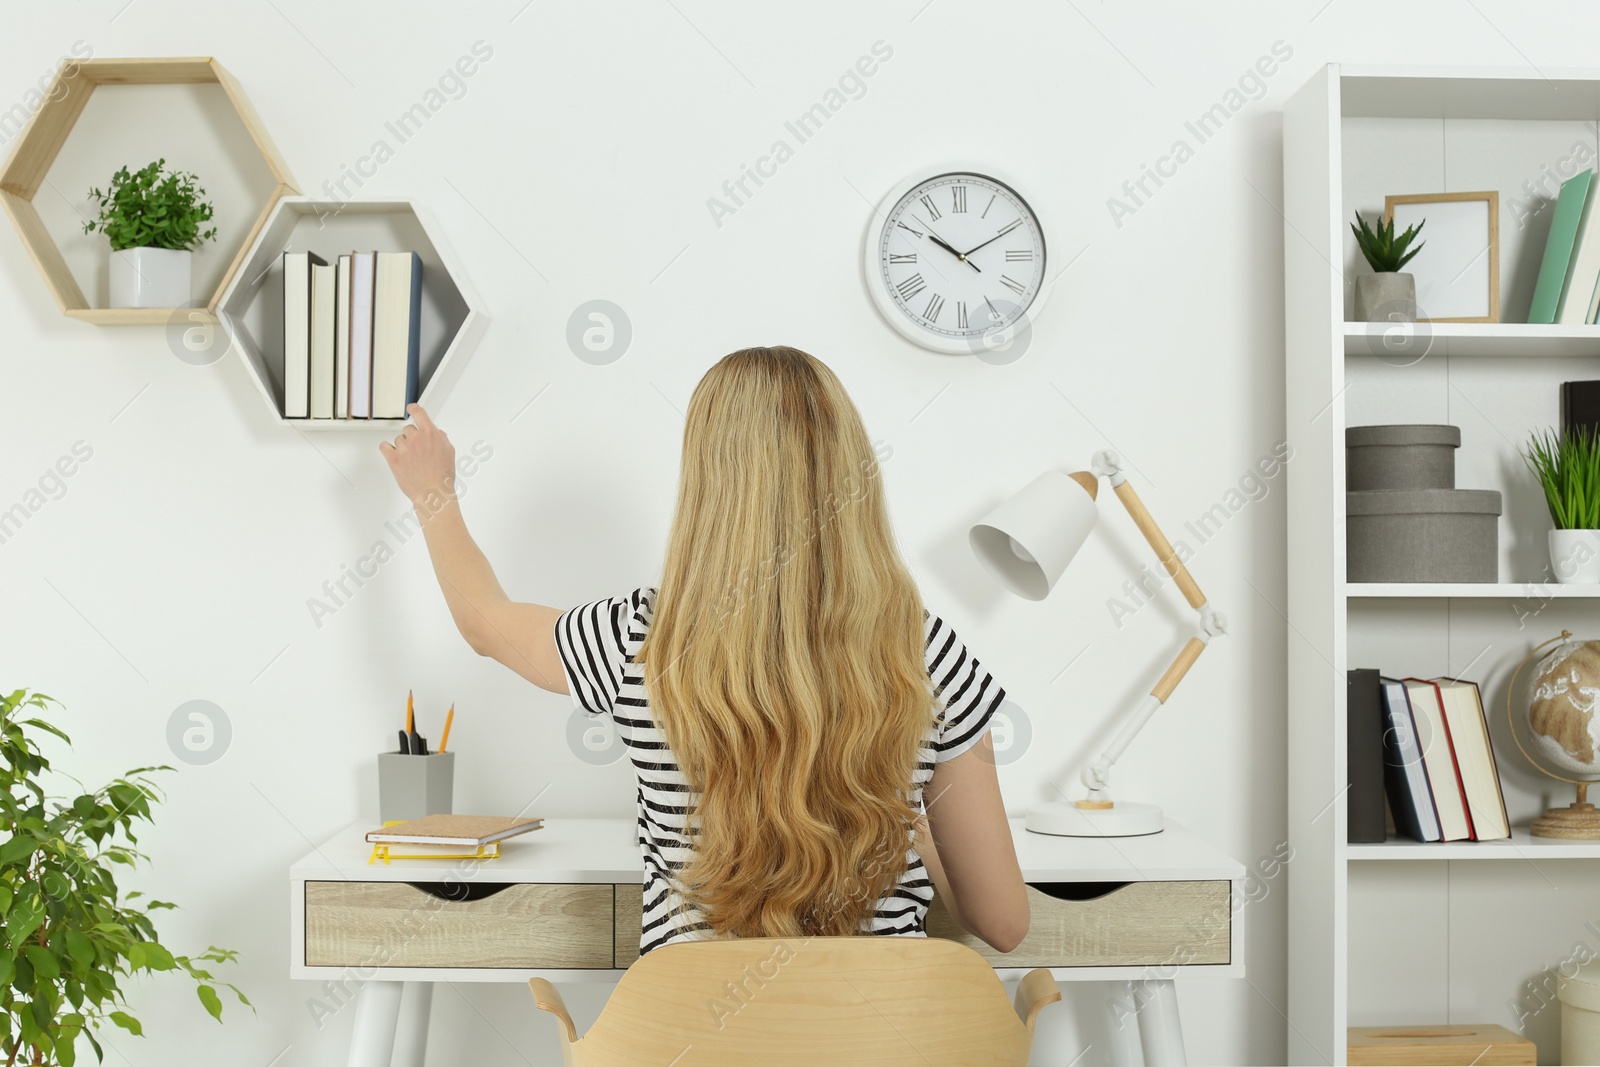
(1029, 539)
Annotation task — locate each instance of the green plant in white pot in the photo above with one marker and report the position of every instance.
(154, 219)
(69, 936)
(1568, 468)
(1387, 294)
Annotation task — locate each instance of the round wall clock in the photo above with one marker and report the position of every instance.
(956, 258)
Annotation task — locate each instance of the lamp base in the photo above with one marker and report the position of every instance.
(1063, 819)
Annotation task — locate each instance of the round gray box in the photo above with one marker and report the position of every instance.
(1400, 457)
(1422, 535)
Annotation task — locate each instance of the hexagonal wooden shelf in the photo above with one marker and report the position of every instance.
(28, 168)
(453, 315)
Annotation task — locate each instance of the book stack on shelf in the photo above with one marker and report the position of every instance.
(351, 334)
(1422, 744)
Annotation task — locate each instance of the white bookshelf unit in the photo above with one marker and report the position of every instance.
(1401, 932)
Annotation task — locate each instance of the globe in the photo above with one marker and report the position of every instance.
(1563, 713)
(1561, 721)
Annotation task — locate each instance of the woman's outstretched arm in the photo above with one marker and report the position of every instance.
(521, 636)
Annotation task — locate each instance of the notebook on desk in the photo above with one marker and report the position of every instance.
(465, 831)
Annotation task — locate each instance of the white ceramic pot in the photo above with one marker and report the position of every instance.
(1575, 556)
(151, 278)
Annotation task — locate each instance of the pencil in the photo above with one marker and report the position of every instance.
(410, 714)
(448, 719)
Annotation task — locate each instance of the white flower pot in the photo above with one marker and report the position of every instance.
(151, 278)
(1575, 556)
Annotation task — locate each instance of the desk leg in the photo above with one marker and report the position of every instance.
(377, 1016)
(1160, 1029)
(1122, 1029)
(411, 1034)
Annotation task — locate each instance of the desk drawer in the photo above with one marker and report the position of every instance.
(1131, 924)
(629, 922)
(393, 924)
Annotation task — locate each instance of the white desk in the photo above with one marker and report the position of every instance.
(563, 903)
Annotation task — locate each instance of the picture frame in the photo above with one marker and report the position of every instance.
(1458, 271)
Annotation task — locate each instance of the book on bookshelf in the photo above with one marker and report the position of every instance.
(1365, 823)
(361, 279)
(1433, 731)
(323, 290)
(1553, 268)
(1474, 751)
(341, 340)
(1405, 774)
(396, 333)
(297, 332)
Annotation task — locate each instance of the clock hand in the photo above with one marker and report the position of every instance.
(996, 237)
(936, 239)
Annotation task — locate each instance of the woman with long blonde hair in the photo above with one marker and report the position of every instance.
(811, 744)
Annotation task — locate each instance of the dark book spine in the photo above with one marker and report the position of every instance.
(1364, 758)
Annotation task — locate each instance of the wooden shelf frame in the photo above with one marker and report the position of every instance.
(46, 133)
(454, 318)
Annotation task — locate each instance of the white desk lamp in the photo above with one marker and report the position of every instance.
(1027, 542)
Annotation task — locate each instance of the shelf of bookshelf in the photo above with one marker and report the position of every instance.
(1406, 342)
(249, 169)
(1481, 590)
(453, 315)
(1521, 845)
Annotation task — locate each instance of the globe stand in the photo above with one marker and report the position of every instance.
(1578, 821)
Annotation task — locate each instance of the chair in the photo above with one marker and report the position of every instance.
(820, 1000)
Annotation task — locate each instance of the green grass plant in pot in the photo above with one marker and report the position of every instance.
(1387, 294)
(1568, 468)
(70, 937)
(154, 219)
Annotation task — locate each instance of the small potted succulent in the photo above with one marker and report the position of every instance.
(1386, 294)
(154, 219)
(1568, 469)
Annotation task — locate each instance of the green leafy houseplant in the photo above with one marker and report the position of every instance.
(70, 936)
(152, 208)
(1385, 252)
(1568, 469)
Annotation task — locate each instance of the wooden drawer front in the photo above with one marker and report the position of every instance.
(629, 918)
(392, 924)
(1141, 923)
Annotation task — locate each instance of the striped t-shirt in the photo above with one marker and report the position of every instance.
(598, 642)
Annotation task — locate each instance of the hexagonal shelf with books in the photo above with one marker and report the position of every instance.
(453, 315)
(104, 113)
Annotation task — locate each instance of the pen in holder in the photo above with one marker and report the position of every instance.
(410, 787)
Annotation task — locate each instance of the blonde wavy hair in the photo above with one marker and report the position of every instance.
(784, 661)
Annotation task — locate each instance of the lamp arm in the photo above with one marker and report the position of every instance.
(1212, 623)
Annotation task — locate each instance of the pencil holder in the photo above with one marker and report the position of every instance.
(410, 787)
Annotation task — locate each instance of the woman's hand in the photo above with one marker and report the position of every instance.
(423, 461)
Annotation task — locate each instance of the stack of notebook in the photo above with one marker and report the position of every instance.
(351, 335)
(447, 836)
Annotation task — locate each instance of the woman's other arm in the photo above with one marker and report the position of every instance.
(966, 846)
(521, 636)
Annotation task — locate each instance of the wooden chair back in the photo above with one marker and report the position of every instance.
(792, 1001)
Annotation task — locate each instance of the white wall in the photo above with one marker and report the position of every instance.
(577, 165)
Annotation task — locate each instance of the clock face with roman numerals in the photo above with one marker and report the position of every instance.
(955, 259)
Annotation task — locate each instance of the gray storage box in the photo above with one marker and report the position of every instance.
(1400, 457)
(1422, 535)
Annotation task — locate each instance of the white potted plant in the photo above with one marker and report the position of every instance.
(1386, 294)
(153, 219)
(1568, 469)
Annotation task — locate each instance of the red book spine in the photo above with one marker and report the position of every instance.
(1455, 765)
